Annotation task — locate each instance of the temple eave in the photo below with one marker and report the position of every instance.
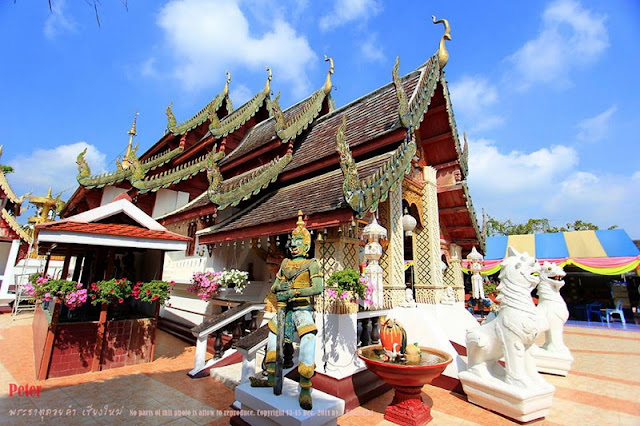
(314, 221)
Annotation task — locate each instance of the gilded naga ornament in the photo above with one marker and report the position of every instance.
(443, 54)
(171, 119)
(297, 280)
(83, 167)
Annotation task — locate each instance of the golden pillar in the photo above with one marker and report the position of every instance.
(428, 278)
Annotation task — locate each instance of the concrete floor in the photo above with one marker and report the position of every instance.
(602, 388)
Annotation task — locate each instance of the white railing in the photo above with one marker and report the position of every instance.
(215, 325)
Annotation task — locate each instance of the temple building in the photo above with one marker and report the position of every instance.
(14, 240)
(233, 180)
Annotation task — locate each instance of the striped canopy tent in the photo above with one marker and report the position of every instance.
(603, 252)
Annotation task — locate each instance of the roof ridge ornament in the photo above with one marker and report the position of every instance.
(132, 133)
(328, 85)
(225, 91)
(171, 118)
(403, 103)
(267, 85)
(443, 54)
(278, 115)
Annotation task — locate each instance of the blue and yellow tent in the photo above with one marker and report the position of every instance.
(604, 252)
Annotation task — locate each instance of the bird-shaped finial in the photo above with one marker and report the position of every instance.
(443, 54)
(226, 85)
(327, 83)
(267, 85)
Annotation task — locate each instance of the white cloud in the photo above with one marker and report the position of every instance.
(595, 128)
(240, 94)
(547, 183)
(516, 172)
(473, 98)
(148, 68)
(371, 50)
(345, 11)
(58, 22)
(55, 167)
(605, 200)
(571, 36)
(207, 38)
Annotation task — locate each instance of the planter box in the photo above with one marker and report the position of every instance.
(64, 349)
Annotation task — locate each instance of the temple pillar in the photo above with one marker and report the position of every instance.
(394, 286)
(453, 275)
(336, 253)
(428, 277)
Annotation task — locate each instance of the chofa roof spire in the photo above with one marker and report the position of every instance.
(327, 83)
(443, 54)
(225, 91)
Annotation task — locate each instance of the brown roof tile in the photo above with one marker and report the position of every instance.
(367, 118)
(316, 195)
(112, 229)
(262, 133)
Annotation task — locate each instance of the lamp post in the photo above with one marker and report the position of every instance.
(475, 265)
(373, 233)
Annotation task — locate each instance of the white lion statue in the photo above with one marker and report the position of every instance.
(552, 306)
(512, 333)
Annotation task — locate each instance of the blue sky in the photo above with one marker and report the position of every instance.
(547, 91)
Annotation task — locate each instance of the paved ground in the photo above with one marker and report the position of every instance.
(602, 388)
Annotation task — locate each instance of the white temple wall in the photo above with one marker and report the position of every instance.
(109, 193)
(168, 200)
(186, 307)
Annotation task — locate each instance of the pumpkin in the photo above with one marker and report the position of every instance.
(393, 337)
(413, 354)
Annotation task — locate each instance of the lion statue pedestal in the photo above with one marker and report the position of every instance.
(553, 357)
(516, 390)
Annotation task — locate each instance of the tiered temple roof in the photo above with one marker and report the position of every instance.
(10, 229)
(264, 163)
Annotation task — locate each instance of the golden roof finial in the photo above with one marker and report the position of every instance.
(226, 85)
(327, 83)
(443, 54)
(132, 130)
(49, 193)
(132, 133)
(267, 85)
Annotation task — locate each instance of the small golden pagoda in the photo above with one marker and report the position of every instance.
(47, 208)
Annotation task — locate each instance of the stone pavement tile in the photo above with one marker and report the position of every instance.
(182, 421)
(599, 384)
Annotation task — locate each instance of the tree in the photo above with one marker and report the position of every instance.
(534, 226)
(6, 169)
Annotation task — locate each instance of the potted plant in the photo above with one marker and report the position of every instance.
(153, 291)
(235, 279)
(111, 291)
(344, 288)
(44, 289)
(205, 284)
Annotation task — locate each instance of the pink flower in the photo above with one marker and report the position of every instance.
(345, 295)
(79, 285)
(332, 293)
(121, 300)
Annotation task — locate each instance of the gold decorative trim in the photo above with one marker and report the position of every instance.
(270, 356)
(15, 226)
(306, 370)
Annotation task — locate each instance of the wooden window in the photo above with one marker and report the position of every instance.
(191, 247)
